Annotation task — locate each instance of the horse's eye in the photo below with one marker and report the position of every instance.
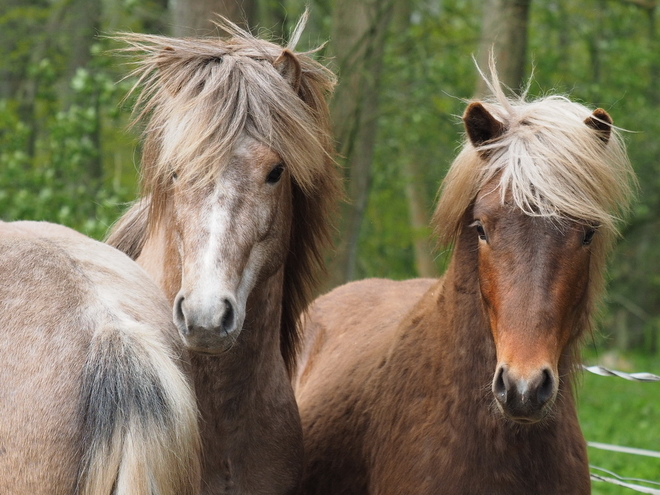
(588, 236)
(481, 232)
(275, 175)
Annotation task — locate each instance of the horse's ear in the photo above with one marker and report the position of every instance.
(288, 66)
(600, 121)
(165, 57)
(480, 125)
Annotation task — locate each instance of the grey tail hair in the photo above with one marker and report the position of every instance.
(139, 418)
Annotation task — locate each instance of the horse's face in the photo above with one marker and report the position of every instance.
(533, 277)
(230, 235)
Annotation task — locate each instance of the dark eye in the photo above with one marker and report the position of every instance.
(588, 235)
(481, 232)
(275, 175)
(175, 176)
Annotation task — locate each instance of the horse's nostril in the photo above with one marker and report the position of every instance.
(228, 317)
(547, 387)
(179, 316)
(499, 385)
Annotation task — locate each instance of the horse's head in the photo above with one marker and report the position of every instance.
(533, 277)
(238, 165)
(231, 235)
(535, 195)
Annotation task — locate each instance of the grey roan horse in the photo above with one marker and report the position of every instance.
(238, 180)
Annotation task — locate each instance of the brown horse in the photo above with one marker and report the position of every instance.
(238, 180)
(463, 385)
(93, 399)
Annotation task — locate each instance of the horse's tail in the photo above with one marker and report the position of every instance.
(139, 418)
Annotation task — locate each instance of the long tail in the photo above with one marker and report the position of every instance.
(139, 415)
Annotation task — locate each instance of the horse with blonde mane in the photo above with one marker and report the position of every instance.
(95, 400)
(463, 385)
(238, 181)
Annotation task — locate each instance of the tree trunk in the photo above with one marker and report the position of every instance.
(504, 29)
(360, 28)
(418, 204)
(194, 17)
(27, 89)
(419, 220)
(83, 21)
(654, 68)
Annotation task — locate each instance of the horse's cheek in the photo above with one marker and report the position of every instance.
(488, 286)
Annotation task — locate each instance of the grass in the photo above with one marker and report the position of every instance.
(621, 412)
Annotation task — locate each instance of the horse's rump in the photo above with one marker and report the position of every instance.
(94, 399)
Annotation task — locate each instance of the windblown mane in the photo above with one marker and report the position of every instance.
(215, 89)
(552, 164)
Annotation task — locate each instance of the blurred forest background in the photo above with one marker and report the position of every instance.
(405, 70)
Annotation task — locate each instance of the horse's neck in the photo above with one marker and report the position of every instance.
(464, 324)
(248, 410)
(250, 426)
(255, 359)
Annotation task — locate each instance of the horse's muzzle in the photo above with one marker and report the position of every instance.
(525, 399)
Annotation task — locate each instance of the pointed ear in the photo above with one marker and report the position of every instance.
(164, 61)
(165, 58)
(480, 125)
(600, 121)
(288, 66)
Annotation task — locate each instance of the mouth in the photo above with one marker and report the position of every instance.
(527, 419)
(211, 345)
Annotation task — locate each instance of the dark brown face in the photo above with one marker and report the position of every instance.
(533, 276)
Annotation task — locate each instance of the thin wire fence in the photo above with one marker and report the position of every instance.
(613, 478)
(635, 377)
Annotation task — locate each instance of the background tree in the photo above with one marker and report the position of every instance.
(504, 30)
(194, 17)
(359, 31)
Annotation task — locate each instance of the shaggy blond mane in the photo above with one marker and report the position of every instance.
(552, 163)
(198, 96)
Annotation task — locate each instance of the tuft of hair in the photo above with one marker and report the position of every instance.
(553, 164)
(197, 96)
(138, 417)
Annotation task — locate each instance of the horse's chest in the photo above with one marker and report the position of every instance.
(439, 459)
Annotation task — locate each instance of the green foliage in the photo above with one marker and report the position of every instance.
(62, 142)
(59, 183)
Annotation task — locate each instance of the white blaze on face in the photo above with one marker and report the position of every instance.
(218, 229)
(230, 241)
